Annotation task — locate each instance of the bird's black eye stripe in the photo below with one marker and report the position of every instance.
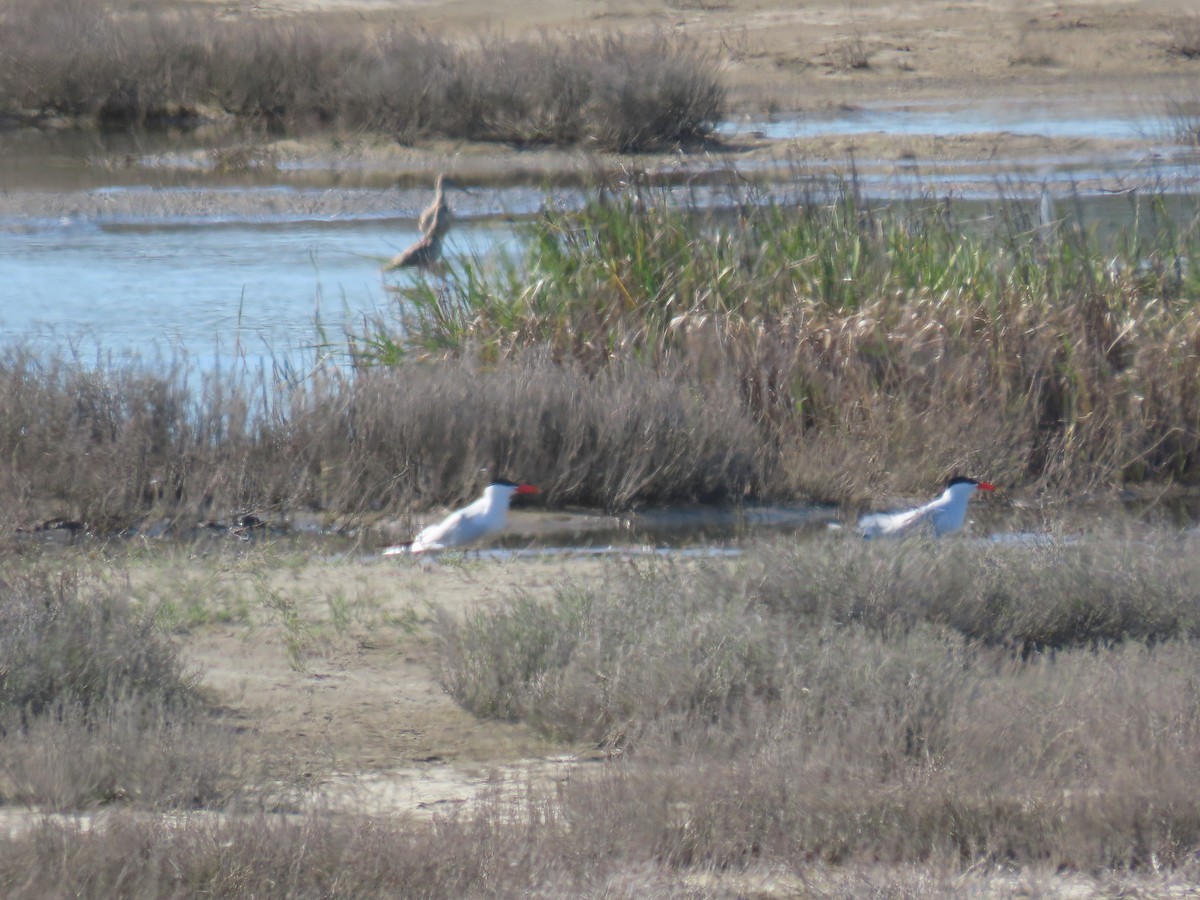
(960, 480)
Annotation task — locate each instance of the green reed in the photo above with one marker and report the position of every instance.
(1067, 349)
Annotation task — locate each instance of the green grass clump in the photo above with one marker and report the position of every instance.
(883, 337)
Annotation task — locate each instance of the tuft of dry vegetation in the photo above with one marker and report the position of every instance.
(119, 448)
(851, 53)
(1033, 47)
(95, 705)
(605, 664)
(502, 852)
(970, 706)
(1183, 37)
(130, 65)
(833, 716)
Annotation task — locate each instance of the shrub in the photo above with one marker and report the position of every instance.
(95, 705)
(793, 708)
(113, 448)
(125, 66)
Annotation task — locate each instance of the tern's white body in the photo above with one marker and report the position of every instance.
(472, 523)
(937, 517)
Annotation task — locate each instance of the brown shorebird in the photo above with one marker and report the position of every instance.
(437, 208)
(422, 254)
(434, 222)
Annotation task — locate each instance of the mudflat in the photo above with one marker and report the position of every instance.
(339, 700)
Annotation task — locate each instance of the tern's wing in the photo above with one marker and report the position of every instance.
(457, 529)
(440, 535)
(892, 524)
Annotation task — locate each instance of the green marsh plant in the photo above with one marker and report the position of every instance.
(894, 332)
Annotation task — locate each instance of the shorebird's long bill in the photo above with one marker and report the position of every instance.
(984, 486)
(527, 489)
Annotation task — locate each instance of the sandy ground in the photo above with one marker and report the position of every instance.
(810, 54)
(338, 700)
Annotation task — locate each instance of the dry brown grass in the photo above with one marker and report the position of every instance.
(127, 65)
(115, 448)
(1184, 36)
(810, 719)
(468, 857)
(817, 715)
(95, 705)
(830, 704)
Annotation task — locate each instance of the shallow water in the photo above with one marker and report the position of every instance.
(1058, 119)
(215, 288)
(139, 249)
(249, 292)
(1005, 519)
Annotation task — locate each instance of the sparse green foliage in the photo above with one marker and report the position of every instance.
(299, 634)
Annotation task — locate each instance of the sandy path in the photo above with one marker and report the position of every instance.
(347, 707)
